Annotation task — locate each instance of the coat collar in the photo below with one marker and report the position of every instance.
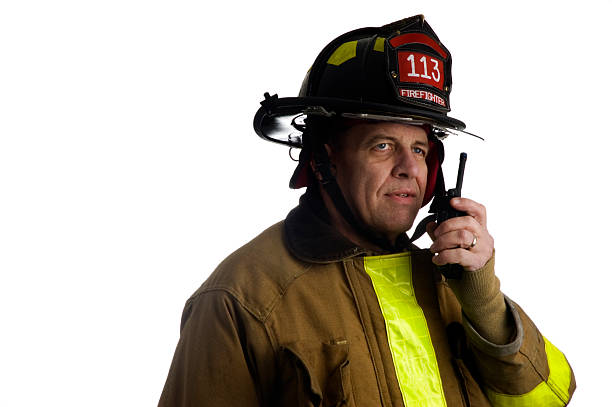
(311, 237)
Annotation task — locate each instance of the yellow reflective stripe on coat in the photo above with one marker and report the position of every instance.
(411, 347)
(553, 392)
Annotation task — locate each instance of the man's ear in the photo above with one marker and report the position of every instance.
(330, 153)
(316, 173)
(329, 150)
(332, 158)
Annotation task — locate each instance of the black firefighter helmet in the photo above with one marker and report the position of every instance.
(398, 72)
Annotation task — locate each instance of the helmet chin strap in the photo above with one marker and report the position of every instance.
(422, 227)
(328, 181)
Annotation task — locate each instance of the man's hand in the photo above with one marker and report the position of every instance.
(453, 239)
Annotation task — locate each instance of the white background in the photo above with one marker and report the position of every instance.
(129, 169)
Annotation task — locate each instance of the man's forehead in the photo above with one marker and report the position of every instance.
(366, 130)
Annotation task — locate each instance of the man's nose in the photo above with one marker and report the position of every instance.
(406, 164)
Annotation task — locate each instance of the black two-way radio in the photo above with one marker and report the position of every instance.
(442, 210)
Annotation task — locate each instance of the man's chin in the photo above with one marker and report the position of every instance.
(397, 227)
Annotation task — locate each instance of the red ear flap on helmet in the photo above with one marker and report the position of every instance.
(302, 176)
(434, 168)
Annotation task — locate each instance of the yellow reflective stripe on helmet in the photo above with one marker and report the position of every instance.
(343, 53)
(411, 347)
(379, 45)
(553, 392)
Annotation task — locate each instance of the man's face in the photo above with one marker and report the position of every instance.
(381, 170)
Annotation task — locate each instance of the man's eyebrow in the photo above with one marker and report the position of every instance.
(383, 137)
(378, 137)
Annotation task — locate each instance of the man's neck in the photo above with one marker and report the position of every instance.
(342, 226)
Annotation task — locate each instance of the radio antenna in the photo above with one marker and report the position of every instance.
(462, 159)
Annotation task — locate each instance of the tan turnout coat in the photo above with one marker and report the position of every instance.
(292, 319)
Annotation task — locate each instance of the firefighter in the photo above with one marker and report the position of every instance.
(334, 305)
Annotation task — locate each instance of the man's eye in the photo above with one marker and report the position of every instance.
(419, 150)
(382, 146)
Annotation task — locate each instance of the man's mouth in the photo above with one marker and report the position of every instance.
(402, 194)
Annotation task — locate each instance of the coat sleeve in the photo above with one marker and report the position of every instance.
(527, 369)
(216, 359)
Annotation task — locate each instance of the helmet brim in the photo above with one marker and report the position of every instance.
(275, 119)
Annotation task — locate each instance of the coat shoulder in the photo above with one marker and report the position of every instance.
(257, 274)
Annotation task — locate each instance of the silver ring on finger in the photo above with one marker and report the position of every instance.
(474, 241)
